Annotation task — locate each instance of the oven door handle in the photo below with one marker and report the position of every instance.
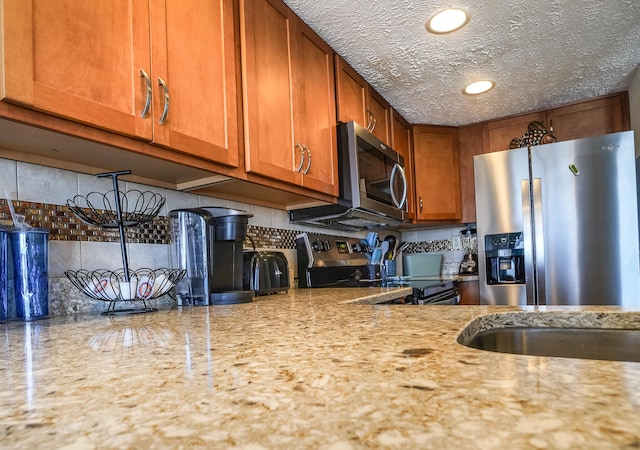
(398, 171)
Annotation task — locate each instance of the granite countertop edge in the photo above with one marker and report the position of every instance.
(311, 368)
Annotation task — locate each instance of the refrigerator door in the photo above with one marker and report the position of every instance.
(499, 213)
(586, 221)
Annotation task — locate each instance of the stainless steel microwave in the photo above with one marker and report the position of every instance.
(373, 185)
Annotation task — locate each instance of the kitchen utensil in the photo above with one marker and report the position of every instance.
(390, 253)
(384, 248)
(401, 247)
(376, 256)
(18, 219)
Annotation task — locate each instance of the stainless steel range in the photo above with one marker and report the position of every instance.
(327, 261)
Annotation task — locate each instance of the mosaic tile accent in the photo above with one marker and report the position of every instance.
(429, 246)
(272, 238)
(65, 226)
(439, 246)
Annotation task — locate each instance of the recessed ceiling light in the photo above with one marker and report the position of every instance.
(478, 87)
(447, 20)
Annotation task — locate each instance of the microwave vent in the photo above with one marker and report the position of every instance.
(338, 217)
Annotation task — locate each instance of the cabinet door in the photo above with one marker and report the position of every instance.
(194, 54)
(436, 172)
(315, 109)
(267, 86)
(469, 145)
(79, 59)
(591, 118)
(380, 114)
(497, 135)
(469, 292)
(401, 142)
(351, 94)
(358, 101)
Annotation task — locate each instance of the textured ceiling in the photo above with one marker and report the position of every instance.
(541, 54)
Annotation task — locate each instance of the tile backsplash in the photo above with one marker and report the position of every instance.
(442, 241)
(41, 194)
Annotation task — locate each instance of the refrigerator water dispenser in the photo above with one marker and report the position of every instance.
(504, 254)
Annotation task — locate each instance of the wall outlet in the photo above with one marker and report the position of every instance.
(456, 243)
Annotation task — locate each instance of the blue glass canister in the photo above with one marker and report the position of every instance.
(29, 251)
(4, 274)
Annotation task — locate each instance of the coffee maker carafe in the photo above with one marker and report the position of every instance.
(208, 244)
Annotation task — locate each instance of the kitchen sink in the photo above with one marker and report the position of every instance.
(586, 343)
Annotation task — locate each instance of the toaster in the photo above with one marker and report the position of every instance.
(265, 272)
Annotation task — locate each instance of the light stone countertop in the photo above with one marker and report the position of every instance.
(309, 369)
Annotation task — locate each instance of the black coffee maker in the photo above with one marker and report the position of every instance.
(208, 243)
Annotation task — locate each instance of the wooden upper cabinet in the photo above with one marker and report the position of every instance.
(358, 101)
(592, 118)
(379, 113)
(195, 55)
(437, 175)
(100, 63)
(80, 60)
(579, 120)
(314, 109)
(351, 94)
(289, 98)
(401, 142)
(469, 145)
(497, 135)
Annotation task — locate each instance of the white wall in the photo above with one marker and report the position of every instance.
(634, 107)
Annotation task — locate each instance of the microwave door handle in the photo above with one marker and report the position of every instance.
(398, 171)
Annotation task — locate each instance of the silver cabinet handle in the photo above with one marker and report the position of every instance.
(308, 159)
(299, 168)
(398, 171)
(421, 203)
(371, 121)
(147, 103)
(165, 111)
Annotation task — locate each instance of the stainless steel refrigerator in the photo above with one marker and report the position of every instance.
(557, 224)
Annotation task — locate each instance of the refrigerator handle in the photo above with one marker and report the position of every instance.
(527, 238)
(533, 237)
(538, 236)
